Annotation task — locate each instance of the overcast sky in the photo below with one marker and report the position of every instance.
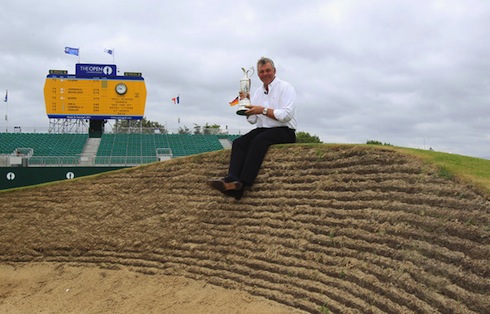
(412, 73)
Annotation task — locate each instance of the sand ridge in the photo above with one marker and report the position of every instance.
(339, 229)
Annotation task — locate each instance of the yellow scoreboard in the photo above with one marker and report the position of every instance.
(117, 97)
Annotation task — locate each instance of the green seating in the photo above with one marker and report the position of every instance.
(147, 144)
(43, 144)
(114, 148)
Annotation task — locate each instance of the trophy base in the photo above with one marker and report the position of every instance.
(242, 107)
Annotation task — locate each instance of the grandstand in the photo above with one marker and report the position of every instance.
(112, 149)
(43, 144)
(144, 148)
(34, 158)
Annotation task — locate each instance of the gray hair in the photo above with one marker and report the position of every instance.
(263, 61)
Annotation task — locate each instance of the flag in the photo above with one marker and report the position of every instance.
(72, 51)
(6, 95)
(234, 102)
(176, 100)
(109, 51)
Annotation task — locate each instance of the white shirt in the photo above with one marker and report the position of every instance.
(280, 98)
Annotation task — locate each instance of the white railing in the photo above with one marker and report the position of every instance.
(75, 161)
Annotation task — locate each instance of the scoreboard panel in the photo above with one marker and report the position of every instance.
(72, 97)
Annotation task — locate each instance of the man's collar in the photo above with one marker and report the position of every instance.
(272, 84)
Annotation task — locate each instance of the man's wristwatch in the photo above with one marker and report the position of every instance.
(264, 112)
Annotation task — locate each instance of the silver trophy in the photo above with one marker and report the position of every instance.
(245, 83)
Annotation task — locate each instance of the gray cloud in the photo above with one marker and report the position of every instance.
(411, 73)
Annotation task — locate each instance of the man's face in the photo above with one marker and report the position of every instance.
(266, 73)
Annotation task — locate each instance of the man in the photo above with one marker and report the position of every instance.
(272, 109)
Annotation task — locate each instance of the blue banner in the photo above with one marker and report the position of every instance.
(95, 70)
(72, 51)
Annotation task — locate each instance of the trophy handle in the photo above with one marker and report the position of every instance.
(249, 72)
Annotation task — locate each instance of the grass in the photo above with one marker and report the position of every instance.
(470, 170)
(475, 171)
(324, 309)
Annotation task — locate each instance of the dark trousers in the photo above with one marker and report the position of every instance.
(248, 151)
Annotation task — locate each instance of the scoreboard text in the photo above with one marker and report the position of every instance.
(72, 97)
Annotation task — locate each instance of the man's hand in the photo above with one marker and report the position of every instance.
(254, 110)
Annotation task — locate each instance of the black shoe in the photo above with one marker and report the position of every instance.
(234, 189)
(223, 186)
(237, 194)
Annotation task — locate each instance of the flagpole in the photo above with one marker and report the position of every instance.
(7, 114)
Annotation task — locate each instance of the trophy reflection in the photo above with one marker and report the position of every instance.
(245, 84)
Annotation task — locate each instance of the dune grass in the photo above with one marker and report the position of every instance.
(465, 169)
(475, 171)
